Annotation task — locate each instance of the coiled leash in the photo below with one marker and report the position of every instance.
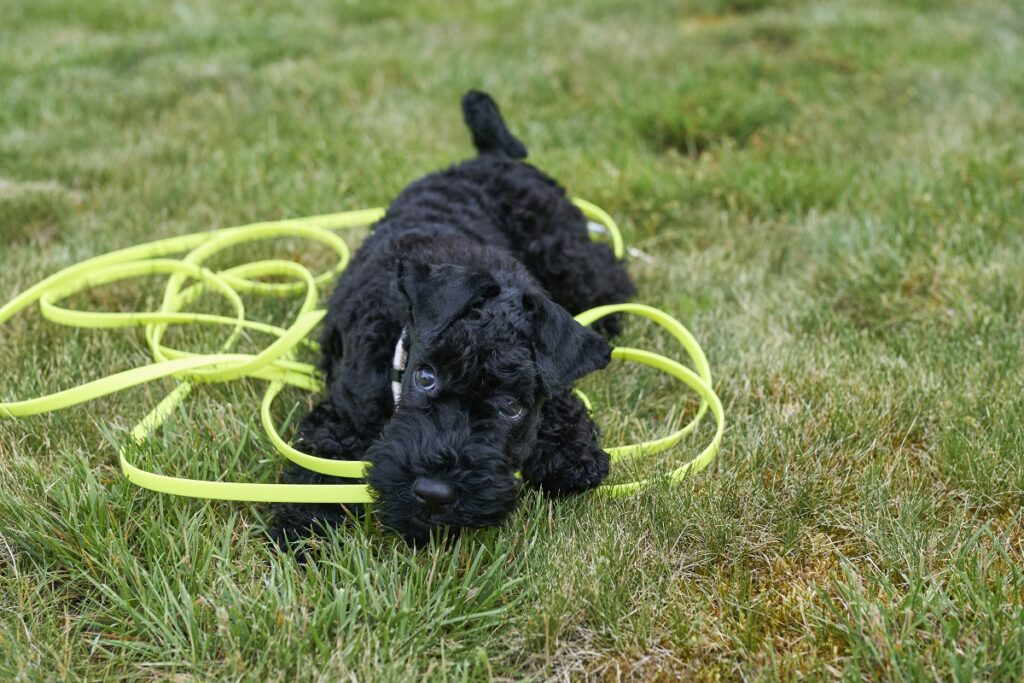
(276, 363)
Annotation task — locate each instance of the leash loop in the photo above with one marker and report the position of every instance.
(276, 363)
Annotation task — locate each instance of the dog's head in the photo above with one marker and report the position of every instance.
(485, 348)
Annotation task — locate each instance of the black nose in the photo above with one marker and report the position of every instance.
(432, 493)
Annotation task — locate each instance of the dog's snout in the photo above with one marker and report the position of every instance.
(432, 493)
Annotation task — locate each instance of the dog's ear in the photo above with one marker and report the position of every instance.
(563, 349)
(437, 295)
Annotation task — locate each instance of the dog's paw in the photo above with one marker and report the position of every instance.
(609, 327)
(295, 527)
(576, 474)
(290, 540)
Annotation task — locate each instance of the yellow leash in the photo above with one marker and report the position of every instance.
(275, 364)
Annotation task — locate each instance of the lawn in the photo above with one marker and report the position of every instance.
(831, 196)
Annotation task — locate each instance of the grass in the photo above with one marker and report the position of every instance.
(832, 193)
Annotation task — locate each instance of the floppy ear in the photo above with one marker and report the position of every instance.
(563, 349)
(439, 294)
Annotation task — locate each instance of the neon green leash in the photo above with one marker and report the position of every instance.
(276, 363)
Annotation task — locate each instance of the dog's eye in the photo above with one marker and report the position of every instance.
(510, 408)
(424, 379)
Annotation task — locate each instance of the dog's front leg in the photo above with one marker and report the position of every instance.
(324, 434)
(567, 458)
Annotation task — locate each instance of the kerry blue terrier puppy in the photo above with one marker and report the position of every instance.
(450, 350)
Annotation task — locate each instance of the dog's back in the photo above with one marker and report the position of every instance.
(499, 200)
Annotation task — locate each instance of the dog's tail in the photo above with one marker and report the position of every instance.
(490, 134)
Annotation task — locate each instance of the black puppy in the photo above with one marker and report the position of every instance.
(468, 284)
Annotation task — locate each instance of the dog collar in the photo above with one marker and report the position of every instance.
(398, 361)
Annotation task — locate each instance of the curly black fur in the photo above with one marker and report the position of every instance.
(483, 265)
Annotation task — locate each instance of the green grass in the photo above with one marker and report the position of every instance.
(833, 196)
